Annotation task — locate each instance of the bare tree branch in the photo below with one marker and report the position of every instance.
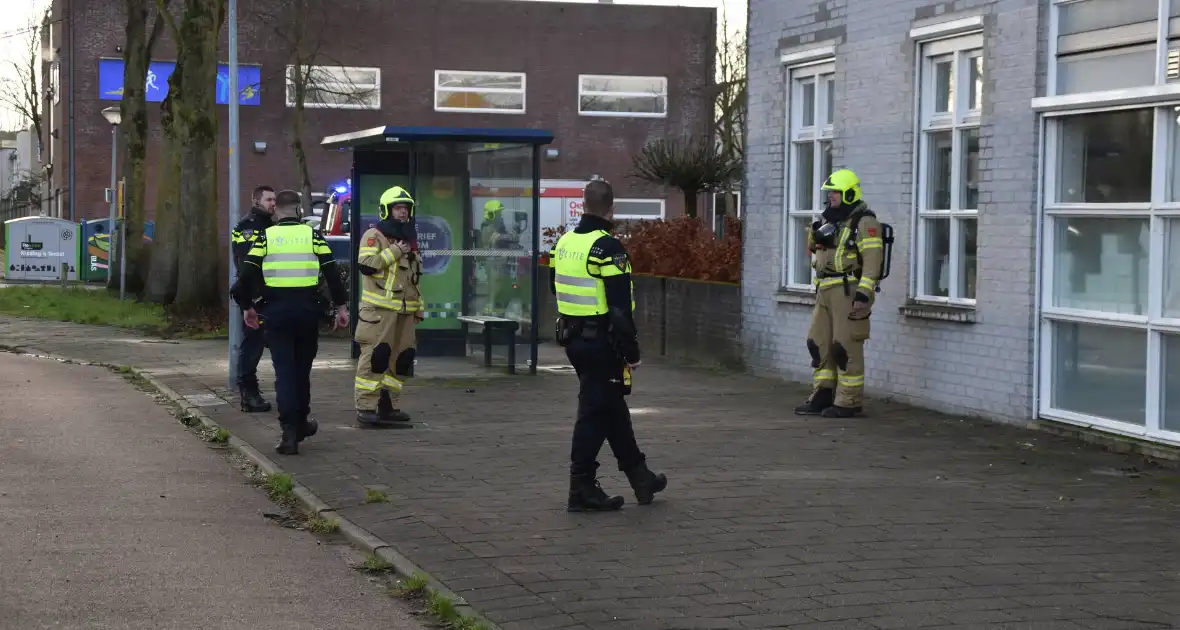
(311, 77)
(21, 92)
(728, 92)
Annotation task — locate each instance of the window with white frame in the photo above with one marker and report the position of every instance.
(1105, 44)
(1110, 272)
(630, 209)
(479, 92)
(603, 95)
(1105, 187)
(950, 97)
(335, 87)
(811, 109)
(1112, 44)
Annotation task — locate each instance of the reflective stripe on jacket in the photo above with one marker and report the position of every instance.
(290, 260)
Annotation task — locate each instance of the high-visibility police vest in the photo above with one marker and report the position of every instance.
(580, 289)
(290, 260)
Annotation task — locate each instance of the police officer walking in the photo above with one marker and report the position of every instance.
(391, 306)
(848, 260)
(591, 275)
(283, 266)
(250, 352)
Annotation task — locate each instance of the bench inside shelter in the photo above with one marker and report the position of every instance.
(491, 325)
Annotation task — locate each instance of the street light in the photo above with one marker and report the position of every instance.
(235, 188)
(114, 117)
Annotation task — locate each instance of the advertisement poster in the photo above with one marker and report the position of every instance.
(439, 215)
(110, 82)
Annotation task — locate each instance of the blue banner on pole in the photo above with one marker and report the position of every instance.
(110, 82)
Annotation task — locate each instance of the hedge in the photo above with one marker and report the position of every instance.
(678, 248)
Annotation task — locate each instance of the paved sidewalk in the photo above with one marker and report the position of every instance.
(908, 519)
(113, 516)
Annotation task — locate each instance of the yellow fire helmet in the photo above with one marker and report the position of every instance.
(846, 183)
(393, 196)
(491, 209)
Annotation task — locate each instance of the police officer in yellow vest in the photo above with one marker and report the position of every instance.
(591, 276)
(391, 306)
(283, 267)
(848, 253)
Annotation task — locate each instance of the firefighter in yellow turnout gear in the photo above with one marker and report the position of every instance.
(849, 259)
(390, 308)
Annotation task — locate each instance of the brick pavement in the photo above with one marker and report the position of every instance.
(906, 520)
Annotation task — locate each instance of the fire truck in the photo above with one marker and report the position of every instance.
(334, 222)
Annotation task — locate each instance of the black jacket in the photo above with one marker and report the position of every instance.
(255, 222)
(251, 285)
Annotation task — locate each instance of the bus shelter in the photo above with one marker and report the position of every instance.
(477, 214)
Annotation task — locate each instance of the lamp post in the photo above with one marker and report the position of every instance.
(235, 188)
(114, 117)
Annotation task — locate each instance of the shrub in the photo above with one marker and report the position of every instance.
(678, 248)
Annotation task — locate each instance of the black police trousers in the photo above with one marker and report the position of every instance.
(292, 333)
(249, 355)
(603, 415)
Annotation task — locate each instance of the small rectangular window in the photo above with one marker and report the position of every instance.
(627, 209)
(601, 95)
(479, 92)
(335, 87)
(1105, 44)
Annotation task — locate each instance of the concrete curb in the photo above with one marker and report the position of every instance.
(353, 533)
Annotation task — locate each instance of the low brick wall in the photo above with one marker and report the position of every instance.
(686, 320)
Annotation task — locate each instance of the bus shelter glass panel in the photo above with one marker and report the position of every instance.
(475, 228)
(502, 213)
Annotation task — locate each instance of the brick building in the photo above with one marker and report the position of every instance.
(603, 78)
(1023, 150)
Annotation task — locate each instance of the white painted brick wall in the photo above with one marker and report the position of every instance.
(983, 368)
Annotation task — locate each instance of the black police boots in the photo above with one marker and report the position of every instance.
(309, 428)
(587, 495)
(645, 483)
(289, 442)
(252, 401)
(822, 399)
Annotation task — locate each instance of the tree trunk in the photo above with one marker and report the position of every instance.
(690, 204)
(198, 282)
(137, 54)
(161, 277)
(161, 283)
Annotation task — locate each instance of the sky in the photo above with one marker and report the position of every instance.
(18, 13)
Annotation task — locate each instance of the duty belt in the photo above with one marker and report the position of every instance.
(587, 328)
